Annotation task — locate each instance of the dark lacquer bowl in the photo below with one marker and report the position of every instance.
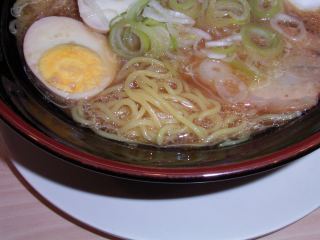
(33, 116)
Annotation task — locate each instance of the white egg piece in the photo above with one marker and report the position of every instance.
(69, 59)
(98, 13)
(306, 5)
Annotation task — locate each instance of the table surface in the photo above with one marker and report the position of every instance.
(24, 217)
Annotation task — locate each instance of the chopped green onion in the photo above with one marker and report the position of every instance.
(226, 50)
(252, 78)
(122, 36)
(174, 43)
(135, 9)
(265, 9)
(163, 14)
(132, 35)
(283, 22)
(132, 39)
(189, 7)
(222, 13)
(262, 41)
(151, 22)
(160, 39)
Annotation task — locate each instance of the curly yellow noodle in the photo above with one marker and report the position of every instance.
(144, 81)
(225, 133)
(140, 113)
(211, 112)
(107, 113)
(195, 99)
(230, 120)
(170, 90)
(136, 123)
(186, 87)
(148, 134)
(129, 66)
(153, 105)
(218, 123)
(196, 129)
(164, 130)
(116, 88)
(170, 129)
(148, 74)
(150, 61)
(142, 101)
(111, 136)
(143, 96)
(181, 100)
(177, 131)
(278, 117)
(126, 102)
(79, 116)
(202, 97)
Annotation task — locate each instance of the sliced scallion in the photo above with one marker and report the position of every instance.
(135, 10)
(265, 9)
(189, 7)
(222, 13)
(122, 36)
(132, 39)
(262, 41)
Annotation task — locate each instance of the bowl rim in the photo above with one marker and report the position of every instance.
(158, 174)
(152, 173)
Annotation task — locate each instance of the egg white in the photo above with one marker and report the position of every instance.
(50, 32)
(98, 13)
(306, 5)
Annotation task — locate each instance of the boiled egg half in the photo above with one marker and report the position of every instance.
(70, 59)
(98, 13)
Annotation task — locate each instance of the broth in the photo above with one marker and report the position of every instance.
(172, 73)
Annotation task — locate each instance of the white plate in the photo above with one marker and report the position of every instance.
(239, 209)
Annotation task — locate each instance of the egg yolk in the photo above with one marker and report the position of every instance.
(71, 68)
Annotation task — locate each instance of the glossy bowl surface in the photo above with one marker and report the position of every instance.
(32, 115)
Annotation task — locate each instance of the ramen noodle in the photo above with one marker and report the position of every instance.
(169, 72)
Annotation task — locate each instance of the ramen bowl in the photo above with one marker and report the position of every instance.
(48, 126)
